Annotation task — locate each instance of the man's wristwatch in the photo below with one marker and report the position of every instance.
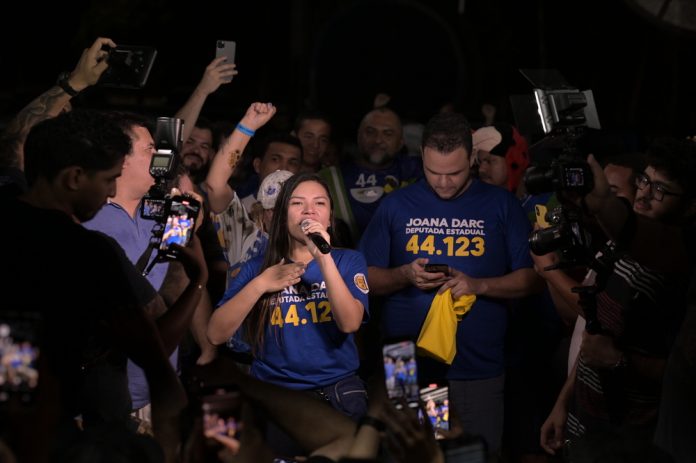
(63, 83)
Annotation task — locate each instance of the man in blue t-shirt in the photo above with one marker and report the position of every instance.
(359, 184)
(480, 232)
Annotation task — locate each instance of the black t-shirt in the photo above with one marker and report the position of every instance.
(76, 281)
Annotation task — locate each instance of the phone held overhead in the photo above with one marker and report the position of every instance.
(226, 49)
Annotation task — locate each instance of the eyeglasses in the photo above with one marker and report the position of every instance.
(658, 189)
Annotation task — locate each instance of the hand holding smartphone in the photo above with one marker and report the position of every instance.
(436, 402)
(227, 49)
(437, 268)
(400, 371)
(20, 339)
(222, 418)
(179, 227)
(129, 66)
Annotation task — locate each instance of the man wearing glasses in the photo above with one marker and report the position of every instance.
(612, 396)
(658, 196)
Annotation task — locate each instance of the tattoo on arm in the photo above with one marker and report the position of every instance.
(48, 104)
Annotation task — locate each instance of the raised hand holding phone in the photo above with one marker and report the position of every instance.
(226, 49)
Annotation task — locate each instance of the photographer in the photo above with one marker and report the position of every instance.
(615, 386)
(181, 288)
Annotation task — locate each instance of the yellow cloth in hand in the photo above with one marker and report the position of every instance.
(438, 336)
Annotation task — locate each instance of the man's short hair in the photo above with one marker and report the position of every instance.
(446, 132)
(310, 114)
(86, 138)
(128, 120)
(277, 137)
(675, 158)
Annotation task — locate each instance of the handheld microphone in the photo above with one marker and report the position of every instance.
(317, 239)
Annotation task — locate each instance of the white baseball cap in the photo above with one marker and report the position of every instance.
(270, 187)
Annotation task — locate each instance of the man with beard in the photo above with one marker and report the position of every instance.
(199, 146)
(198, 150)
(359, 184)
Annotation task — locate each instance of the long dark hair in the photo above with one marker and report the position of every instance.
(278, 248)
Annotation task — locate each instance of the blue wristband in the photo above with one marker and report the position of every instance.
(245, 130)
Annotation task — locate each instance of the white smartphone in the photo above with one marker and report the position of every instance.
(227, 49)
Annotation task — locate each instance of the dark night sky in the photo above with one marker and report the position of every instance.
(338, 54)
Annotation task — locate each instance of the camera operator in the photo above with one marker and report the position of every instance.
(621, 172)
(120, 218)
(615, 386)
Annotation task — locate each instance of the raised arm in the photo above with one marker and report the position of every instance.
(216, 73)
(55, 100)
(219, 191)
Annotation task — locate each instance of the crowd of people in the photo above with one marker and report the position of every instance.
(303, 262)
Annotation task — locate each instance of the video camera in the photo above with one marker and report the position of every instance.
(566, 234)
(561, 114)
(564, 113)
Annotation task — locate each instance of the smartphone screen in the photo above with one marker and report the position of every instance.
(400, 372)
(181, 218)
(436, 400)
(221, 417)
(437, 268)
(227, 49)
(19, 355)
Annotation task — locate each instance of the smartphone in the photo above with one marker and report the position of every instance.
(129, 66)
(221, 413)
(20, 334)
(436, 402)
(400, 371)
(227, 49)
(437, 268)
(179, 226)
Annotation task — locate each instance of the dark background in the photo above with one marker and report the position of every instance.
(336, 55)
